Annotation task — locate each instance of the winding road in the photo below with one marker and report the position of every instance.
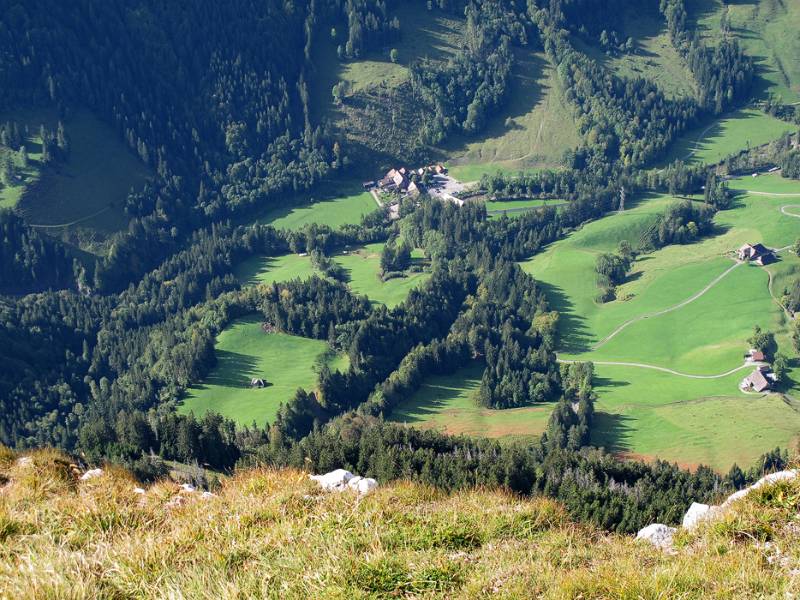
(613, 363)
(746, 365)
(71, 223)
(699, 294)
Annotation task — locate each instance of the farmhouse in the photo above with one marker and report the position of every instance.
(756, 253)
(756, 381)
(756, 355)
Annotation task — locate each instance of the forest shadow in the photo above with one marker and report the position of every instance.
(611, 431)
(234, 370)
(574, 337)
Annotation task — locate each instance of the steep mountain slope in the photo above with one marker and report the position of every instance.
(271, 533)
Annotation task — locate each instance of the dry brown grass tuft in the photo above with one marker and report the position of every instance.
(271, 533)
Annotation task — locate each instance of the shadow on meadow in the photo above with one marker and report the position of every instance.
(574, 336)
(234, 370)
(611, 431)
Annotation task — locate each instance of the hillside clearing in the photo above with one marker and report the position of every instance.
(243, 352)
(767, 31)
(341, 204)
(363, 269)
(447, 403)
(533, 130)
(740, 130)
(82, 199)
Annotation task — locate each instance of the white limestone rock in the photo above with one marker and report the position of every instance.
(91, 474)
(335, 481)
(657, 534)
(187, 488)
(766, 480)
(698, 513)
(362, 485)
(341, 480)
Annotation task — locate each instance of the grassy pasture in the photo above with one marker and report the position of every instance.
(88, 190)
(651, 413)
(244, 351)
(742, 129)
(532, 131)
(342, 205)
(767, 31)
(653, 57)
(363, 267)
(267, 269)
(446, 403)
(512, 208)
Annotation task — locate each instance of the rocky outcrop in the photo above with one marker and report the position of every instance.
(657, 534)
(661, 535)
(341, 480)
(698, 513)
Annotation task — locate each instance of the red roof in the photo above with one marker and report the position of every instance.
(758, 355)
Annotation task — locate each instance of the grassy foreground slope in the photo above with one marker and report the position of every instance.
(245, 352)
(273, 534)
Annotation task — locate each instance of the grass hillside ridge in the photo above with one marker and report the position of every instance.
(271, 533)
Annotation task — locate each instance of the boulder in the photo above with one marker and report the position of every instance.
(188, 488)
(766, 480)
(366, 485)
(335, 481)
(774, 478)
(657, 534)
(362, 485)
(341, 480)
(91, 474)
(697, 513)
(138, 490)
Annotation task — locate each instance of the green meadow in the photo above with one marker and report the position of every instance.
(83, 198)
(363, 270)
(447, 403)
(739, 130)
(496, 208)
(244, 352)
(344, 204)
(268, 269)
(648, 414)
(361, 264)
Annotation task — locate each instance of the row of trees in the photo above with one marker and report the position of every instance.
(594, 486)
